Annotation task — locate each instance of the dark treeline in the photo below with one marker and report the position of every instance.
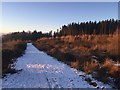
(25, 35)
(101, 27)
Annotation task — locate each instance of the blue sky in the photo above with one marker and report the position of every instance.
(19, 16)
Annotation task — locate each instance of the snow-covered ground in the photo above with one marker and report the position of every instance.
(39, 70)
(99, 84)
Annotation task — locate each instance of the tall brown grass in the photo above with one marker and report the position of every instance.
(112, 68)
(82, 47)
(10, 51)
(90, 66)
(114, 47)
(75, 64)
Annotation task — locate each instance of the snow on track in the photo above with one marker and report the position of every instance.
(39, 70)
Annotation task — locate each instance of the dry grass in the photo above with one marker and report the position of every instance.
(75, 64)
(84, 45)
(68, 38)
(10, 51)
(82, 48)
(91, 66)
(112, 69)
(114, 46)
(10, 44)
